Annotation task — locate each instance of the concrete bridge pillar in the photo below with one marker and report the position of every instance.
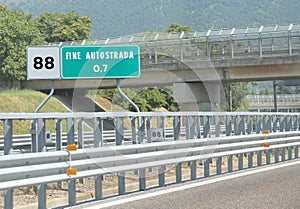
(197, 96)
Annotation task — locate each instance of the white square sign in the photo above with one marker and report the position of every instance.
(43, 62)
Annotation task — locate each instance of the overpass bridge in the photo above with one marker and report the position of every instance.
(287, 102)
(197, 63)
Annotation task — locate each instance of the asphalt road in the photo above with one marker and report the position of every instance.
(276, 186)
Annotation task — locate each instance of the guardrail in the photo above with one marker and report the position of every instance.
(137, 128)
(70, 165)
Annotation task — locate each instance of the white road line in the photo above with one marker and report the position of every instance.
(189, 186)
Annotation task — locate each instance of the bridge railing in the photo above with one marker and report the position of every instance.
(277, 40)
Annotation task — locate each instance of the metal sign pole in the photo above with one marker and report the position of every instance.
(47, 98)
(134, 105)
(126, 97)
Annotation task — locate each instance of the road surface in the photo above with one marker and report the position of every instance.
(275, 186)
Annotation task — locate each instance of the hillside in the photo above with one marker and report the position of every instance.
(119, 17)
(26, 101)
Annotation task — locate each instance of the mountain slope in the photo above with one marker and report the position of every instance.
(119, 17)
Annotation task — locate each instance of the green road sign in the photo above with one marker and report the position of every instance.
(92, 62)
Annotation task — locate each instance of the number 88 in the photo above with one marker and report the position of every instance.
(38, 63)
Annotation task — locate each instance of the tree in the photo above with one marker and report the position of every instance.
(17, 30)
(235, 94)
(60, 27)
(176, 28)
(153, 97)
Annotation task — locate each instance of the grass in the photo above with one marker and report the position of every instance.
(26, 101)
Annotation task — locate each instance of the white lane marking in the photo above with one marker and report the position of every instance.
(189, 186)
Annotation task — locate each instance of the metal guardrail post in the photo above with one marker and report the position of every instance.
(41, 135)
(296, 151)
(148, 127)
(276, 155)
(289, 153)
(228, 125)
(58, 141)
(198, 129)
(217, 126)
(219, 166)
(72, 192)
(249, 124)
(133, 130)
(258, 124)
(295, 123)
(242, 125)
(121, 183)
(193, 168)
(142, 179)
(71, 182)
(161, 175)
(266, 122)
(282, 154)
(42, 196)
(8, 148)
(98, 132)
(237, 130)
(41, 145)
(34, 142)
(8, 199)
(282, 123)
(80, 133)
(178, 170)
(176, 127)
(240, 161)
(230, 163)
(58, 135)
(206, 126)
(268, 157)
(119, 124)
(259, 158)
(8, 137)
(98, 187)
(141, 129)
(288, 123)
(275, 121)
(70, 131)
(239, 125)
(206, 167)
(187, 122)
(192, 128)
(250, 159)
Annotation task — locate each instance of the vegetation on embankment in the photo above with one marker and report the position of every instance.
(26, 101)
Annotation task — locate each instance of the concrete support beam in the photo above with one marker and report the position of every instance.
(197, 96)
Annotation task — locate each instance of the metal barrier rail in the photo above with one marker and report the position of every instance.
(50, 167)
(135, 128)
